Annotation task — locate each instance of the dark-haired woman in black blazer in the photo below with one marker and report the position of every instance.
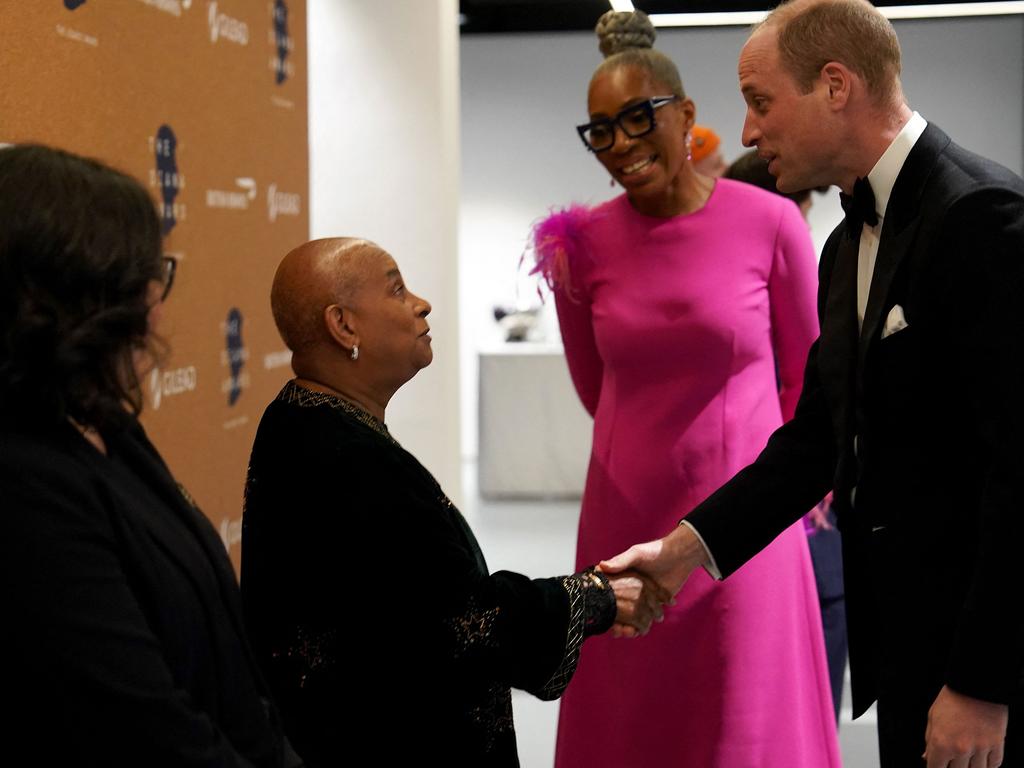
(123, 639)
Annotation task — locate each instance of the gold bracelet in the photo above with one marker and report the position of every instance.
(594, 578)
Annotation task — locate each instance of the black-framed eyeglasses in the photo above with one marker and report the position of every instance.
(635, 121)
(170, 268)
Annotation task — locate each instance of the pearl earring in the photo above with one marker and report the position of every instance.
(355, 353)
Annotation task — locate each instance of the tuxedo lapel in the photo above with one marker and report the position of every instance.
(838, 351)
(902, 217)
(892, 247)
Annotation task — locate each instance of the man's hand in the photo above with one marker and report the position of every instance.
(964, 732)
(638, 602)
(668, 562)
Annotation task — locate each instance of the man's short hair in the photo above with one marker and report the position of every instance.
(851, 32)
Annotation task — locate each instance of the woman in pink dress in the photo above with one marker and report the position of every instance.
(687, 310)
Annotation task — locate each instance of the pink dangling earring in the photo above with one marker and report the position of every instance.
(689, 147)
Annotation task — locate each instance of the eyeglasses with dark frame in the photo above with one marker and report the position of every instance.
(635, 121)
(170, 268)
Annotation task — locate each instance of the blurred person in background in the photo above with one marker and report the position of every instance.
(706, 152)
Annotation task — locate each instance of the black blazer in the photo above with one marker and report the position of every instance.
(937, 410)
(123, 641)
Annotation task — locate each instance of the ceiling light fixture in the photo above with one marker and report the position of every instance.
(723, 19)
(747, 18)
(952, 9)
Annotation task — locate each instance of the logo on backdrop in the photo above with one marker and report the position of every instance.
(73, 34)
(282, 42)
(173, 7)
(282, 203)
(235, 356)
(234, 199)
(167, 177)
(278, 359)
(226, 27)
(169, 383)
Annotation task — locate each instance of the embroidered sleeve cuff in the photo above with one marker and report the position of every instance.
(591, 611)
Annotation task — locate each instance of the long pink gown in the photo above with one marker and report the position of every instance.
(672, 333)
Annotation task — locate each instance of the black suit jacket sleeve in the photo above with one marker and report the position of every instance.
(955, 497)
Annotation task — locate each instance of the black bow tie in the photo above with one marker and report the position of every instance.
(859, 207)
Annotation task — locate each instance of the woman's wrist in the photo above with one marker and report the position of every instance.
(600, 605)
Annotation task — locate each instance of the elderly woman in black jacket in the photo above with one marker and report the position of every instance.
(370, 604)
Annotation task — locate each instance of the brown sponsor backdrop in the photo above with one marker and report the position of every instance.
(205, 103)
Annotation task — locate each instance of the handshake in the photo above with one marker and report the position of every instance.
(646, 577)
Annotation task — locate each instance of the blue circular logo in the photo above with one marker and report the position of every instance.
(281, 37)
(167, 174)
(236, 352)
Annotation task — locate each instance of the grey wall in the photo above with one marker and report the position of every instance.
(522, 95)
(384, 159)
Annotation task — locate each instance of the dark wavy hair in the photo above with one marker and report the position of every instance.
(79, 245)
(752, 169)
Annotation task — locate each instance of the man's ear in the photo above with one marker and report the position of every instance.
(838, 80)
(341, 324)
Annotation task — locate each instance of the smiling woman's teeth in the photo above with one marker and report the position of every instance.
(638, 165)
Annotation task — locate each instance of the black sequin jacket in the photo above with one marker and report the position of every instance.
(370, 605)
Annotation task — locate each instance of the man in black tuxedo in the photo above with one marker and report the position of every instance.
(913, 401)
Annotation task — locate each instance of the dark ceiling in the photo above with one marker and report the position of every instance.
(492, 16)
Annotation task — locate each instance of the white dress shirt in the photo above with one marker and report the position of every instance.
(882, 178)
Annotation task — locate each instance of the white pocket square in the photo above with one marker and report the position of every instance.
(894, 321)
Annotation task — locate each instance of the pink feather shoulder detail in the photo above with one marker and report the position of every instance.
(556, 242)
